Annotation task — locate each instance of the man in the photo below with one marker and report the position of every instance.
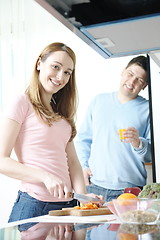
(109, 164)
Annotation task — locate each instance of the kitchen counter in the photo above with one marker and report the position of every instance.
(77, 228)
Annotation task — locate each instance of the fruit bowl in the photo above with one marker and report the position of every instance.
(137, 210)
(111, 207)
(129, 192)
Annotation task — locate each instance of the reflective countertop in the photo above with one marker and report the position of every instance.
(48, 228)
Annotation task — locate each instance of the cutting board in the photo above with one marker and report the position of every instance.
(79, 212)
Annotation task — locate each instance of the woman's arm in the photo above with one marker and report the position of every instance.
(9, 130)
(76, 173)
(75, 169)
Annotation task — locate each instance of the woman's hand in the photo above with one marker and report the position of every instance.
(60, 231)
(55, 186)
(66, 231)
(48, 231)
(100, 199)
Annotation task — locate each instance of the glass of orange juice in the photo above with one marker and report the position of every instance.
(120, 131)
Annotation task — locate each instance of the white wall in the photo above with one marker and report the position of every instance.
(155, 76)
(26, 30)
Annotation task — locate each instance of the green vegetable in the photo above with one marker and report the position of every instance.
(150, 191)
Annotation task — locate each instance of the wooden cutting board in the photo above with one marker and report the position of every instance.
(79, 212)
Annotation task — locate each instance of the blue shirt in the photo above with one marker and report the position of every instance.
(114, 164)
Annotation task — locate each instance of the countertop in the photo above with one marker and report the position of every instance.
(77, 228)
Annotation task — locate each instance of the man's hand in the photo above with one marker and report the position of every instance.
(132, 136)
(87, 173)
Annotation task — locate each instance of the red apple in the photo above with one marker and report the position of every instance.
(134, 190)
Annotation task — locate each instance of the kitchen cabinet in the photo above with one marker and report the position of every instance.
(112, 28)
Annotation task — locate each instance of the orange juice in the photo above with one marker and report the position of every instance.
(120, 131)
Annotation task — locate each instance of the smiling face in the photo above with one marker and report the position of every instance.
(133, 80)
(54, 72)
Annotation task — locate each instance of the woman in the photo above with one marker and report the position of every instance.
(40, 126)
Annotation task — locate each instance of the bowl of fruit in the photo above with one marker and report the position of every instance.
(133, 191)
(132, 209)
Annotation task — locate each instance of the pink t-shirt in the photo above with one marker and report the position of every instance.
(40, 146)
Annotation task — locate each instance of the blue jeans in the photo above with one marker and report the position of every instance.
(28, 207)
(108, 194)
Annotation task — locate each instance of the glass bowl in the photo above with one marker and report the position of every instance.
(111, 207)
(137, 210)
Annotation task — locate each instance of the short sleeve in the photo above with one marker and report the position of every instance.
(17, 109)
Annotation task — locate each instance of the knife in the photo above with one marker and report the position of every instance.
(79, 226)
(84, 198)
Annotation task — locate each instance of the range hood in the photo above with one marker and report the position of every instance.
(112, 27)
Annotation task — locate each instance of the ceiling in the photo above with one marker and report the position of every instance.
(112, 27)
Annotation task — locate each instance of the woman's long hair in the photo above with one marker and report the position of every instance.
(63, 102)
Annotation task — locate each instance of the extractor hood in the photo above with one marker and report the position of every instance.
(112, 27)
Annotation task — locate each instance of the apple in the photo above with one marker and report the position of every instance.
(134, 190)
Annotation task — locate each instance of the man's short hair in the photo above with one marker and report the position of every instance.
(140, 61)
